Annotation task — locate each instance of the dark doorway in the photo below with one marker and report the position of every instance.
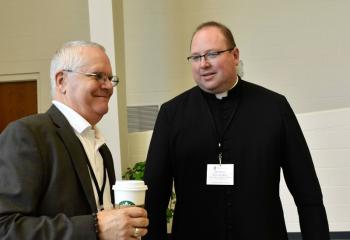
(17, 99)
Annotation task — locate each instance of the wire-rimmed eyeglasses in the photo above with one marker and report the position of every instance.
(207, 56)
(98, 76)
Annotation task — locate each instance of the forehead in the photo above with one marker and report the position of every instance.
(208, 38)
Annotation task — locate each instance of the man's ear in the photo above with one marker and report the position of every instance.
(235, 53)
(61, 82)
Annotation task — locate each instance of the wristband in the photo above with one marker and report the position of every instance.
(94, 216)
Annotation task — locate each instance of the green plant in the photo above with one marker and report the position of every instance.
(136, 173)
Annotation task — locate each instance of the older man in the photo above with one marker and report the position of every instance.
(56, 171)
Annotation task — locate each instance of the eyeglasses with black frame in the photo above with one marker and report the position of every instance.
(208, 56)
(98, 76)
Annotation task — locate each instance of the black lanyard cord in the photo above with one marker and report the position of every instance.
(98, 190)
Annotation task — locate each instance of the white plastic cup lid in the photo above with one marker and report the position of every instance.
(130, 185)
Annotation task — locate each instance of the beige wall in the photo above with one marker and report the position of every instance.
(155, 50)
(30, 33)
(298, 48)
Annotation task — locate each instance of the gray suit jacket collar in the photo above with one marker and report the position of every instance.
(76, 152)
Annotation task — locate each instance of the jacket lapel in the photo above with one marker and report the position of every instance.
(76, 152)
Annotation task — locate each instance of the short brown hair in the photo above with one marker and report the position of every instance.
(224, 30)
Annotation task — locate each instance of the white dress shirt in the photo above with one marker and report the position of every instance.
(92, 140)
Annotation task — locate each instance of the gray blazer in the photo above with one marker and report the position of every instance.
(45, 187)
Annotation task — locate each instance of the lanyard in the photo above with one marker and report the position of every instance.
(220, 150)
(220, 136)
(98, 190)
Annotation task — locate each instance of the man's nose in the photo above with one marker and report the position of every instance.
(204, 61)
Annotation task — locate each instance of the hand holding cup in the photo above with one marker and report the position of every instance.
(129, 219)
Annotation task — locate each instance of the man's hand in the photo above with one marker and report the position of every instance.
(122, 224)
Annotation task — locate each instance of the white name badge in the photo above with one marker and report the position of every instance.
(220, 174)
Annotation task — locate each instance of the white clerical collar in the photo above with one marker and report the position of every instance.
(224, 94)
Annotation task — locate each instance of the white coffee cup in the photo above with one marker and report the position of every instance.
(129, 193)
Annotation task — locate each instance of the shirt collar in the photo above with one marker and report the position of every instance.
(78, 123)
(225, 94)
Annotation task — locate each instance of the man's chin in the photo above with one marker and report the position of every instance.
(102, 110)
(210, 88)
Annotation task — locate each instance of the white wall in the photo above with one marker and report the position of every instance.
(328, 136)
(138, 146)
(298, 48)
(155, 50)
(100, 14)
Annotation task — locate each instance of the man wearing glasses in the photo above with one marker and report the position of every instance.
(223, 143)
(56, 171)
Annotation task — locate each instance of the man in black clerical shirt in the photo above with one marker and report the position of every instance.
(223, 144)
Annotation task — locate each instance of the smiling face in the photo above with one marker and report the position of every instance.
(84, 94)
(214, 75)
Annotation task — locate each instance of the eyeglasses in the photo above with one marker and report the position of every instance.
(208, 56)
(98, 76)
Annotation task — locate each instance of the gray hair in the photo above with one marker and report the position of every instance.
(68, 57)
